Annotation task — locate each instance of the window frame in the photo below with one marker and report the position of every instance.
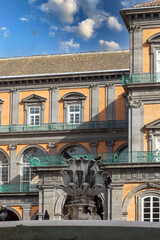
(151, 213)
(4, 165)
(138, 199)
(74, 113)
(33, 101)
(34, 115)
(74, 98)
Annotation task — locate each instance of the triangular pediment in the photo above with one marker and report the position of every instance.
(34, 98)
(154, 124)
(154, 38)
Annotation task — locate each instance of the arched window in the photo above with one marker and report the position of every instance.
(74, 150)
(151, 209)
(4, 164)
(26, 174)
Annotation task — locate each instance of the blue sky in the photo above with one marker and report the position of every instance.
(36, 27)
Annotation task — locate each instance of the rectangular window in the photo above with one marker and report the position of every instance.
(158, 65)
(34, 116)
(74, 113)
(151, 209)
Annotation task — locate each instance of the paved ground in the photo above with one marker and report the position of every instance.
(79, 230)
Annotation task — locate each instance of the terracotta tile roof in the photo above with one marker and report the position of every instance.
(64, 63)
(153, 3)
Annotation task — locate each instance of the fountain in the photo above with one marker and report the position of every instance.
(83, 181)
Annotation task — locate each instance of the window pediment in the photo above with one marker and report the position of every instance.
(1, 101)
(154, 38)
(33, 99)
(73, 96)
(154, 124)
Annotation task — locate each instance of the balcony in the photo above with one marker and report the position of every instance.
(140, 78)
(18, 188)
(106, 158)
(64, 126)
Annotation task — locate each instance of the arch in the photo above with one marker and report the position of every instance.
(35, 215)
(134, 191)
(73, 96)
(6, 154)
(20, 154)
(122, 147)
(154, 38)
(15, 212)
(67, 146)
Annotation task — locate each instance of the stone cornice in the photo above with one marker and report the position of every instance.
(60, 79)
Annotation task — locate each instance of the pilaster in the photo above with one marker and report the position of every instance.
(26, 212)
(94, 102)
(14, 106)
(13, 164)
(116, 201)
(53, 147)
(110, 101)
(54, 104)
(93, 146)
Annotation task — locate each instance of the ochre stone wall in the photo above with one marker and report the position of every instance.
(119, 103)
(42, 93)
(85, 91)
(5, 96)
(102, 103)
(146, 47)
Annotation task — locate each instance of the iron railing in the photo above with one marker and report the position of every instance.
(106, 158)
(141, 78)
(65, 126)
(11, 188)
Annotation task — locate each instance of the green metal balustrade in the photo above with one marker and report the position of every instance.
(11, 188)
(64, 126)
(141, 78)
(106, 158)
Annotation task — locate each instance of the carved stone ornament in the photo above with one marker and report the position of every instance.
(132, 103)
(83, 181)
(52, 145)
(135, 28)
(13, 146)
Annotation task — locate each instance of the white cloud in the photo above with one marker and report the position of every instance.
(85, 28)
(23, 19)
(69, 44)
(31, 1)
(131, 3)
(3, 28)
(106, 45)
(65, 8)
(53, 30)
(114, 24)
(5, 32)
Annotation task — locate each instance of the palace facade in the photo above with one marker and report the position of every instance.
(85, 104)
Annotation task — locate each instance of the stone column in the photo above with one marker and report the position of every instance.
(107, 205)
(54, 104)
(150, 140)
(14, 107)
(116, 201)
(93, 146)
(26, 212)
(110, 153)
(110, 101)
(13, 164)
(41, 203)
(94, 102)
(53, 147)
(1, 102)
(135, 125)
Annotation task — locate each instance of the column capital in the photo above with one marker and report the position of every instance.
(93, 144)
(12, 146)
(52, 145)
(109, 85)
(110, 143)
